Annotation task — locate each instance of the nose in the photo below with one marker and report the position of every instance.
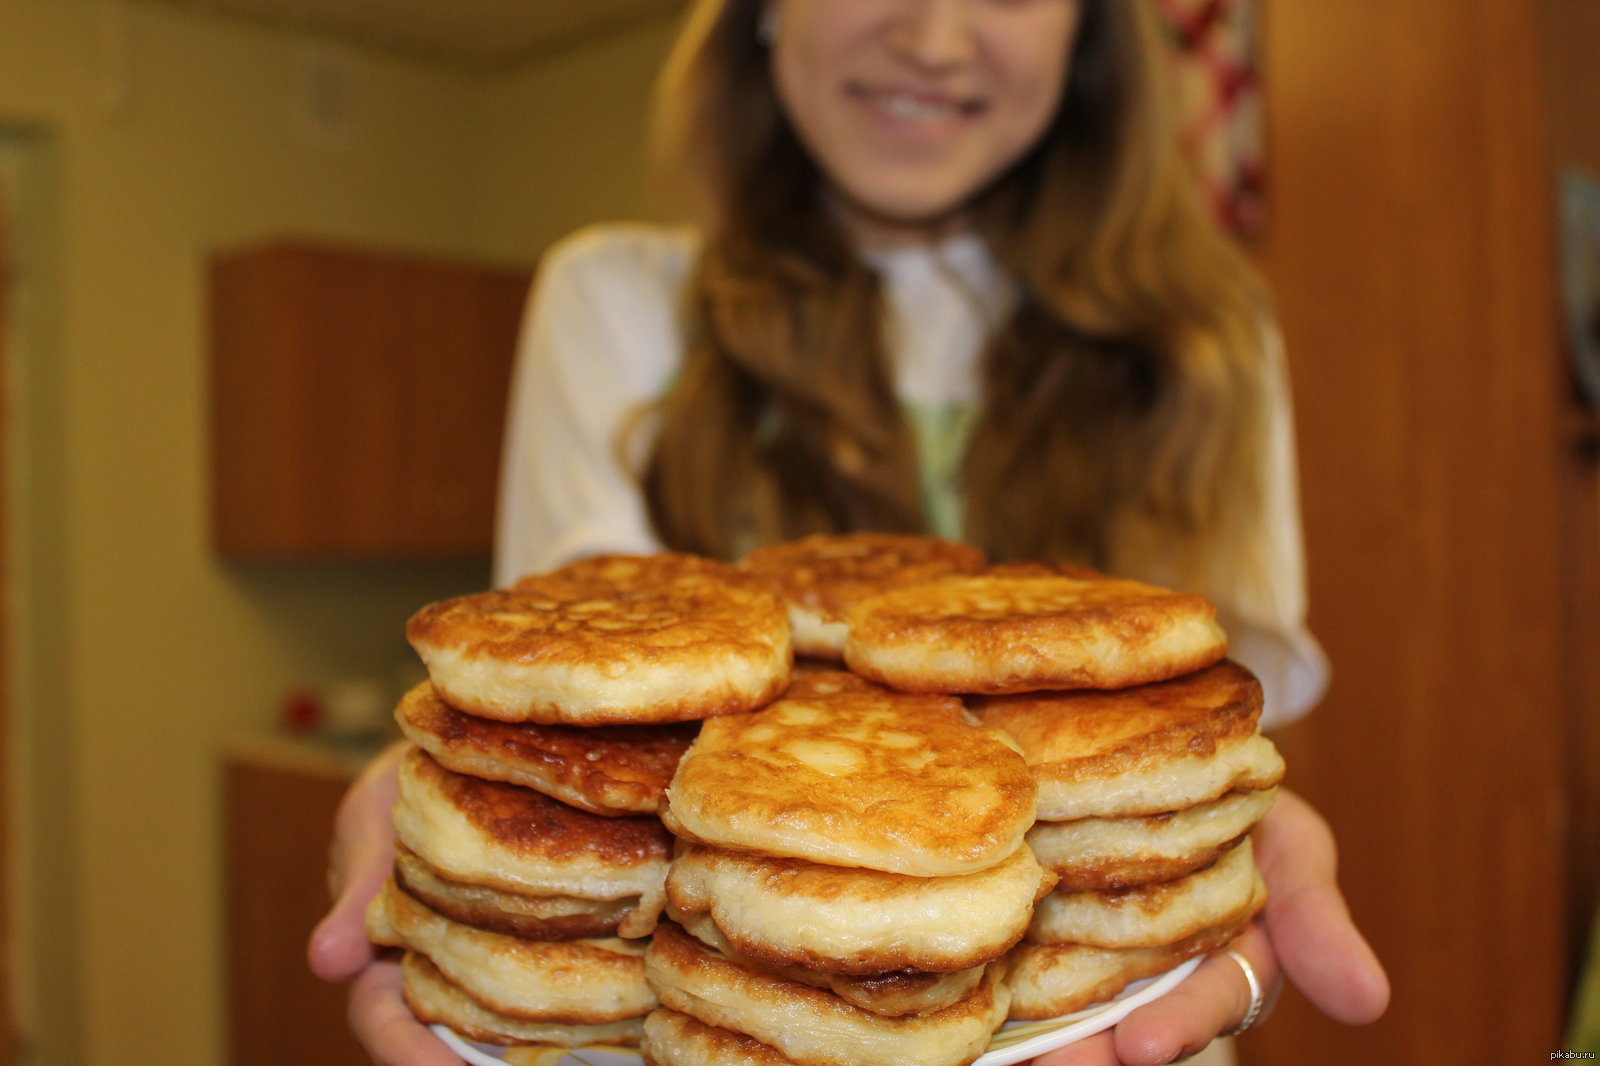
(934, 34)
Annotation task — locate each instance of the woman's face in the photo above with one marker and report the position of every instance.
(912, 106)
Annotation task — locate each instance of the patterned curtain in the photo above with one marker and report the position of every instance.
(1215, 46)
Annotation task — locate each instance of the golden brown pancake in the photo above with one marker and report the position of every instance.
(1049, 981)
(1228, 890)
(823, 576)
(1104, 854)
(1041, 568)
(570, 982)
(1140, 751)
(615, 640)
(790, 912)
(517, 840)
(435, 1001)
(600, 769)
(905, 784)
(674, 1039)
(828, 680)
(990, 634)
(511, 913)
(890, 994)
(810, 1026)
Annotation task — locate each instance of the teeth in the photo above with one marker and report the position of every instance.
(907, 106)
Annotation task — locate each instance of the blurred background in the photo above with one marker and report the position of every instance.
(263, 260)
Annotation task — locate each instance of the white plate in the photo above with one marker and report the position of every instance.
(1014, 1042)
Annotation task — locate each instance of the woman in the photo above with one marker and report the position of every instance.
(952, 278)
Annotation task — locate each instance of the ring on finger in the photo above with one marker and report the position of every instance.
(1257, 994)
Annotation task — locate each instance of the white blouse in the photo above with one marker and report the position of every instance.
(602, 341)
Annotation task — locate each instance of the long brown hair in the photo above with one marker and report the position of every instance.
(1122, 420)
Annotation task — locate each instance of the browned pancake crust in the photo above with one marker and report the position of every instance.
(685, 973)
(538, 827)
(1084, 736)
(891, 994)
(828, 573)
(1114, 875)
(436, 1000)
(573, 645)
(819, 684)
(874, 779)
(1040, 568)
(496, 910)
(601, 769)
(991, 634)
(1037, 993)
(675, 1039)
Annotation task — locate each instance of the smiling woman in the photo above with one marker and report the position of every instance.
(950, 275)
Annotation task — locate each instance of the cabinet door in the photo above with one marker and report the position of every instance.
(279, 822)
(358, 401)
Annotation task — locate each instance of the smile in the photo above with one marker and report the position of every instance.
(910, 106)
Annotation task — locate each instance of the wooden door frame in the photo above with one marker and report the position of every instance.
(42, 940)
(8, 1027)
(1409, 245)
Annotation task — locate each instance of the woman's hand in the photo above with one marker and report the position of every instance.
(1305, 933)
(363, 854)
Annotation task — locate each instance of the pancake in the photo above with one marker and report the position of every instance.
(1140, 751)
(1040, 568)
(614, 640)
(812, 1027)
(992, 634)
(1229, 890)
(674, 1039)
(1049, 981)
(572, 982)
(1111, 853)
(823, 576)
(599, 769)
(435, 1001)
(789, 912)
(518, 840)
(905, 784)
(821, 680)
(890, 994)
(528, 917)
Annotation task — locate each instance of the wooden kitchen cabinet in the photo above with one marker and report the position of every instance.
(357, 402)
(279, 801)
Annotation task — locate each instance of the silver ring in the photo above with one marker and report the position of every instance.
(1257, 997)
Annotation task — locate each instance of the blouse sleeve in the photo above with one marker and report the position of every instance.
(1266, 614)
(600, 343)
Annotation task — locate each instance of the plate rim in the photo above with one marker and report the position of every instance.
(1109, 1014)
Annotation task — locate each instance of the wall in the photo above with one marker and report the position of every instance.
(138, 652)
(564, 141)
(146, 650)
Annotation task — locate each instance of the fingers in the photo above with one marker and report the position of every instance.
(362, 855)
(1317, 944)
(1097, 1050)
(383, 1024)
(1213, 1000)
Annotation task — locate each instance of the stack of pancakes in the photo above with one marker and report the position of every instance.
(851, 872)
(857, 876)
(1147, 796)
(530, 862)
(1150, 768)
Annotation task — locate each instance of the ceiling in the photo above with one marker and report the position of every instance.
(474, 32)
